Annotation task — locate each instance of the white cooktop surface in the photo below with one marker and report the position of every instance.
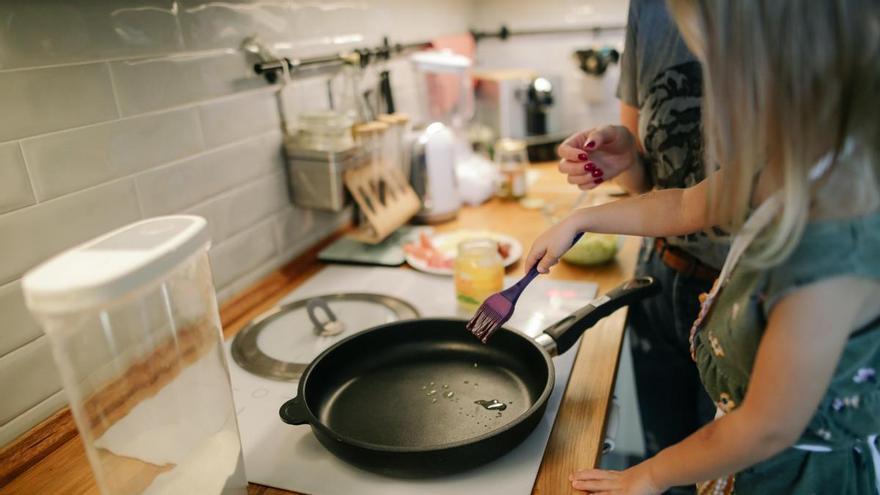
(290, 457)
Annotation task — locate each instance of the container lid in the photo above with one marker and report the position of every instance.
(113, 265)
(510, 145)
(394, 118)
(373, 127)
(281, 343)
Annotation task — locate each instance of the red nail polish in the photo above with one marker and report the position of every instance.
(589, 167)
(599, 180)
(591, 145)
(598, 172)
(582, 157)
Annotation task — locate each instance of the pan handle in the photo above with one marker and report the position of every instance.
(294, 412)
(568, 330)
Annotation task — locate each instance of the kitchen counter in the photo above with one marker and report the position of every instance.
(51, 458)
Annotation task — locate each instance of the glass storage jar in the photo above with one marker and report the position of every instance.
(478, 271)
(512, 161)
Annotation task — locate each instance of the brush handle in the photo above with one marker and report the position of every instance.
(520, 286)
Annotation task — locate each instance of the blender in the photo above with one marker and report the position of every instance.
(439, 142)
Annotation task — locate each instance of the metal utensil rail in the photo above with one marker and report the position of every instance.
(270, 69)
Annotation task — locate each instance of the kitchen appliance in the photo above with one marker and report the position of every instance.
(444, 91)
(499, 102)
(424, 397)
(290, 458)
(132, 320)
(539, 105)
(432, 173)
(521, 104)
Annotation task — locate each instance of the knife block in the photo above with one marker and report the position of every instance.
(386, 200)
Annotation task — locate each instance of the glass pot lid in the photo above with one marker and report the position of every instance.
(280, 344)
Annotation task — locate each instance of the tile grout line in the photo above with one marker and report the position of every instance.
(154, 57)
(113, 90)
(151, 113)
(162, 166)
(205, 152)
(235, 190)
(137, 196)
(42, 401)
(27, 171)
(22, 346)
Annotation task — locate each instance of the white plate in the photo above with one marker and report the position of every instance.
(447, 243)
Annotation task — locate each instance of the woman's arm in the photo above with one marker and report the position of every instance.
(635, 179)
(799, 351)
(661, 213)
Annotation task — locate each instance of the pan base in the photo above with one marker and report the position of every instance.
(429, 403)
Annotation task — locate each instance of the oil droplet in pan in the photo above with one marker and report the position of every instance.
(492, 405)
(431, 392)
(449, 394)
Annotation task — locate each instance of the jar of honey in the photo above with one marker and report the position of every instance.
(479, 273)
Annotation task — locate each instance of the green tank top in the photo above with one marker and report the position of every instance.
(837, 453)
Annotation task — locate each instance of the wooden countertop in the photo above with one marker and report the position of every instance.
(51, 459)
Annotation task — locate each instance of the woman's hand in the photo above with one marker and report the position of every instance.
(551, 245)
(633, 481)
(590, 157)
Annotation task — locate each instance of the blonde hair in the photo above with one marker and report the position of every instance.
(786, 83)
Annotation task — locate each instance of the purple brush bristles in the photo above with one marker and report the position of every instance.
(498, 308)
(493, 313)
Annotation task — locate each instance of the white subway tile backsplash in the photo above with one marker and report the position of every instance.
(35, 101)
(238, 255)
(186, 183)
(297, 228)
(68, 161)
(210, 24)
(236, 118)
(30, 235)
(19, 327)
(15, 187)
(42, 33)
(26, 420)
(164, 82)
(27, 377)
(239, 209)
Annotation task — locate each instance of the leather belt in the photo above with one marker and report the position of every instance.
(683, 262)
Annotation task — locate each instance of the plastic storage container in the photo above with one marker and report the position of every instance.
(133, 324)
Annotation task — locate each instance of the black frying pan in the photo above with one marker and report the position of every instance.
(381, 400)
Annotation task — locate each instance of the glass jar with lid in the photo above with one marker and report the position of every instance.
(512, 161)
(325, 131)
(479, 273)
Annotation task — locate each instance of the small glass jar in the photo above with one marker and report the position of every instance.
(479, 273)
(325, 131)
(513, 161)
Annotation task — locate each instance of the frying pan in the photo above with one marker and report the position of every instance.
(424, 397)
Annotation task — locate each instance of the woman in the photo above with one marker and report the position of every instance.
(788, 339)
(659, 146)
